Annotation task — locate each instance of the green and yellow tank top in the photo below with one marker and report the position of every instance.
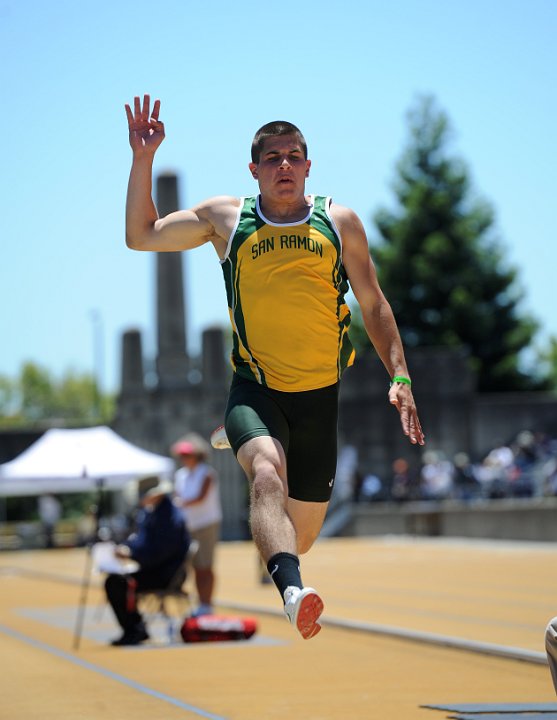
(285, 285)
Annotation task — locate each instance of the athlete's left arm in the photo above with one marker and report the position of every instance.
(377, 315)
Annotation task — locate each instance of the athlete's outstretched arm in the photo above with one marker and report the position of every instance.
(377, 316)
(181, 230)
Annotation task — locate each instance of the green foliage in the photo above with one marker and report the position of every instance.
(7, 396)
(36, 398)
(441, 266)
(26, 509)
(36, 392)
(548, 362)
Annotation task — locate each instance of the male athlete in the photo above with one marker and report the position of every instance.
(287, 259)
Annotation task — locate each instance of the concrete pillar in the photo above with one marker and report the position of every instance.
(132, 380)
(214, 368)
(172, 359)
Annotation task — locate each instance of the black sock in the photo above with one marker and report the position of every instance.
(284, 568)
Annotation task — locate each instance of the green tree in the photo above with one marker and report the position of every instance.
(36, 393)
(36, 398)
(77, 396)
(548, 361)
(7, 395)
(441, 266)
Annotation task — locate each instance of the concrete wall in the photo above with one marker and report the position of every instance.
(524, 519)
(454, 416)
(496, 417)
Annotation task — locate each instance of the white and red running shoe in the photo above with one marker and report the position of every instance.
(218, 439)
(303, 608)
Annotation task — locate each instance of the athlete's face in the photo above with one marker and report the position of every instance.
(282, 169)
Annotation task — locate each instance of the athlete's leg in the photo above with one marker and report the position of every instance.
(307, 518)
(262, 459)
(312, 461)
(259, 431)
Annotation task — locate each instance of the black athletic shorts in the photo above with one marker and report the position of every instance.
(305, 424)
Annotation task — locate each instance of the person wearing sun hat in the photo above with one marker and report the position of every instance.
(159, 547)
(197, 494)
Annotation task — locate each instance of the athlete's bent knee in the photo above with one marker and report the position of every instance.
(267, 483)
(305, 542)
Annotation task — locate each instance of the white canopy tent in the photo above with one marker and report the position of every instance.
(78, 461)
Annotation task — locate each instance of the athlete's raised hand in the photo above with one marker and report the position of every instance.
(146, 130)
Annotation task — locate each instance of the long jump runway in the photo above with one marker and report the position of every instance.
(413, 630)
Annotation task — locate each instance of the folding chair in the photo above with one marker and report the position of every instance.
(170, 604)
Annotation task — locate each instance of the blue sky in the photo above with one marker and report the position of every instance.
(346, 73)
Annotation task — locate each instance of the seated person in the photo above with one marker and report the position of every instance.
(551, 649)
(159, 547)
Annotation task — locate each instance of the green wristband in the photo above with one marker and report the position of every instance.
(401, 379)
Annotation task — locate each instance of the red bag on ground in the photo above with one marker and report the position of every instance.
(216, 628)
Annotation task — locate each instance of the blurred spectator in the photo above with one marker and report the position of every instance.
(521, 475)
(402, 485)
(197, 493)
(436, 477)
(526, 452)
(50, 512)
(87, 527)
(370, 488)
(159, 548)
(466, 485)
(549, 476)
(525, 467)
(493, 472)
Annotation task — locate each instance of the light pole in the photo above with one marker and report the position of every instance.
(98, 355)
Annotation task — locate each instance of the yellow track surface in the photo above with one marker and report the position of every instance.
(492, 595)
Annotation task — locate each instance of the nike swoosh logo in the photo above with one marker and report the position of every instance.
(273, 571)
(331, 481)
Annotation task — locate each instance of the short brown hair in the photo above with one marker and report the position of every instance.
(274, 129)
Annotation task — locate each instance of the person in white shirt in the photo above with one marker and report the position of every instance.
(197, 494)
